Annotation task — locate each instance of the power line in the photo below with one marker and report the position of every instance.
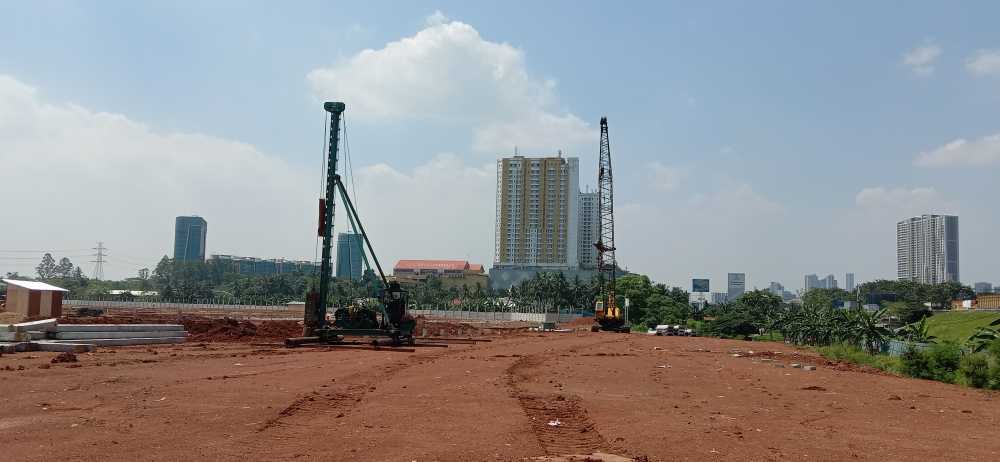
(99, 263)
(42, 251)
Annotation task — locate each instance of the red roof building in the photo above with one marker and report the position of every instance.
(452, 272)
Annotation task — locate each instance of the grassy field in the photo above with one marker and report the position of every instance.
(958, 326)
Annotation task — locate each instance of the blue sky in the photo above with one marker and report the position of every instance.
(745, 134)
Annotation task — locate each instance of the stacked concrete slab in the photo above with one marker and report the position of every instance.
(47, 335)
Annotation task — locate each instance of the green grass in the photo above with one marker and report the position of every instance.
(856, 355)
(773, 336)
(959, 325)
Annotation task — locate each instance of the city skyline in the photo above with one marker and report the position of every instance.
(702, 89)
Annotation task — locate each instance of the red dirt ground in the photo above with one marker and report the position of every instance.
(637, 396)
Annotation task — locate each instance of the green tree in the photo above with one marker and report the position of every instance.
(47, 268)
(908, 311)
(763, 308)
(64, 269)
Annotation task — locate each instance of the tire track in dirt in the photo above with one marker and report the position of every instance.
(350, 391)
(560, 422)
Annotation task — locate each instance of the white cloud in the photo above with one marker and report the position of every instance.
(921, 59)
(448, 72)
(436, 18)
(902, 201)
(442, 209)
(664, 177)
(73, 176)
(960, 152)
(984, 63)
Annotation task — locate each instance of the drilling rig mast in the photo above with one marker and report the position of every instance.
(607, 314)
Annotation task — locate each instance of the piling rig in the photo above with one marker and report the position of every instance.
(385, 319)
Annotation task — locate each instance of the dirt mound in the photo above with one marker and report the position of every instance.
(230, 330)
(585, 321)
(202, 329)
(64, 357)
(449, 328)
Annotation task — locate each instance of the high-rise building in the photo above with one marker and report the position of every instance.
(717, 298)
(349, 256)
(590, 228)
(849, 282)
(737, 285)
(776, 288)
(537, 212)
(811, 282)
(983, 288)
(829, 282)
(189, 238)
(927, 249)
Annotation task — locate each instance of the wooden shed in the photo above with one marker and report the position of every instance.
(34, 299)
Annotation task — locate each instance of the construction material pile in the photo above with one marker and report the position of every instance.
(49, 335)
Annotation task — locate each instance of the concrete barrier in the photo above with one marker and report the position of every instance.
(119, 334)
(119, 328)
(124, 341)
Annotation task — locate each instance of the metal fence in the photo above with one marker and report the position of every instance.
(897, 347)
(498, 315)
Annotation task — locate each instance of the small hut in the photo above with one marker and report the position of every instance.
(34, 299)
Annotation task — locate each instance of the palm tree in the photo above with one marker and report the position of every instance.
(918, 332)
(983, 337)
(873, 333)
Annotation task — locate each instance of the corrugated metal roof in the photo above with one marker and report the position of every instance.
(34, 285)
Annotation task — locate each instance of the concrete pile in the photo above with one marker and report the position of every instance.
(48, 335)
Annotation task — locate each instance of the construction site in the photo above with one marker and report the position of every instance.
(372, 381)
(233, 391)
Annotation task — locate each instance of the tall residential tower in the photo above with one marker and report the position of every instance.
(927, 249)
(538, 212)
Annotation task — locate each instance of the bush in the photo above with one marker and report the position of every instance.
(994, 350)
(853, 354)
(974, 370)
(732, 323)
(939, 362)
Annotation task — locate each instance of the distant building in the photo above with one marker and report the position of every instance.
(849, 282)
(737, 285)
(718, 298)
(590, 227)
(537, 216)
(350, 254)
(776, 288)
(252, 266)
(451, 273)
(811, 282)
(983, 288)
(829, 282)
(700, 285)
(189, 238)
(927, 249)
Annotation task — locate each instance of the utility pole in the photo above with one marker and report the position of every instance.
(99, 262)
